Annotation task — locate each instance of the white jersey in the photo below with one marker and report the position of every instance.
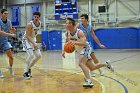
(86, 51)
(75, 38)
(36, 29)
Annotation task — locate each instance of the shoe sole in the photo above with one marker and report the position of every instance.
(88, 86)
(27, 78)
(1, 76)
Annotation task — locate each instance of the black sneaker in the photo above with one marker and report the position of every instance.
(26, 75)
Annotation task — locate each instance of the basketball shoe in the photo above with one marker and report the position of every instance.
(1, 75)
(88, 83)
(109, 66)
(26, 75)
(11, 70)
(92, 74)
(101, 72)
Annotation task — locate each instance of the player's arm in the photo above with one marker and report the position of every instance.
(82, 38)
(29, 33)
(7, 34)
(12, 30)
(96, 38)
(67, 39)
(77, 26)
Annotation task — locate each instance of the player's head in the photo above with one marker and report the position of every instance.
(84, 17)
(70, 23)
(4, 13)
(36, 16)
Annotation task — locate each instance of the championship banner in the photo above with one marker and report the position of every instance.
(15, 17)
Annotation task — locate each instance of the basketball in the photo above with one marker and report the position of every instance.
(69, 47)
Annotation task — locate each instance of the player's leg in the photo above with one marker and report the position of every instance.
(1, 75)
(83, 59)
(85, 69)
(90, 65)
(9, 54)
(96, 61)
(82, 64)
(100, 65)
(30, 56)
(29, 59)
(37, 56)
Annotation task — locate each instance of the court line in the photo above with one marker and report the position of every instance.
(103, 87)
(124, 87)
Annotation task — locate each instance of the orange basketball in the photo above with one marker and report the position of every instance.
(69, 47)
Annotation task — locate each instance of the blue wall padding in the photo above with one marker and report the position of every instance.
(55, 40)
(118, 38)
(52, 39)
(139, 38)
(45, 39)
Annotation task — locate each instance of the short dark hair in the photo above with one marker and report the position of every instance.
(85, 16)
(37, 13)
(71, 20)
(3, 10)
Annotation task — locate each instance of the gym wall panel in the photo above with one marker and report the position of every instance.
(118, 38)
(55, 40)
(45, 39)
(139, 38)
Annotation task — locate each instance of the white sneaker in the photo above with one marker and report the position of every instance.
(92, 74)
(101, 72)
(1, 75)
(11, 71)
(88, 83)
(109, 66)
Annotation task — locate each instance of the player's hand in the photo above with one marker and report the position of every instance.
(13, 30)
(35, 46)
(102, 46)
(63, 54)
(13, 35)
(71, 42)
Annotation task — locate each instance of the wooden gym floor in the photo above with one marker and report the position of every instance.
(54, 74)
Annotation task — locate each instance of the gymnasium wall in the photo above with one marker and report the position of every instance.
(118, 38)
(112, 38)
(52, 39)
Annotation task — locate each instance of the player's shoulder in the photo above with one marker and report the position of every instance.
(8, 20)
(80, 32)
(29, 23)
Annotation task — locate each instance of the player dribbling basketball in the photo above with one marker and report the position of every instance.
(82, 47)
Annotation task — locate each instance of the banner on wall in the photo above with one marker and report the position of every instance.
(35, 8)
(15, 17)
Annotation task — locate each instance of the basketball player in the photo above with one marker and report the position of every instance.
(5, 30)
(30, 45)
(77, 38)
(89, 30)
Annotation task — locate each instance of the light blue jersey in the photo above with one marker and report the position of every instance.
(87, 32)
(6, 28)
(4, 39)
